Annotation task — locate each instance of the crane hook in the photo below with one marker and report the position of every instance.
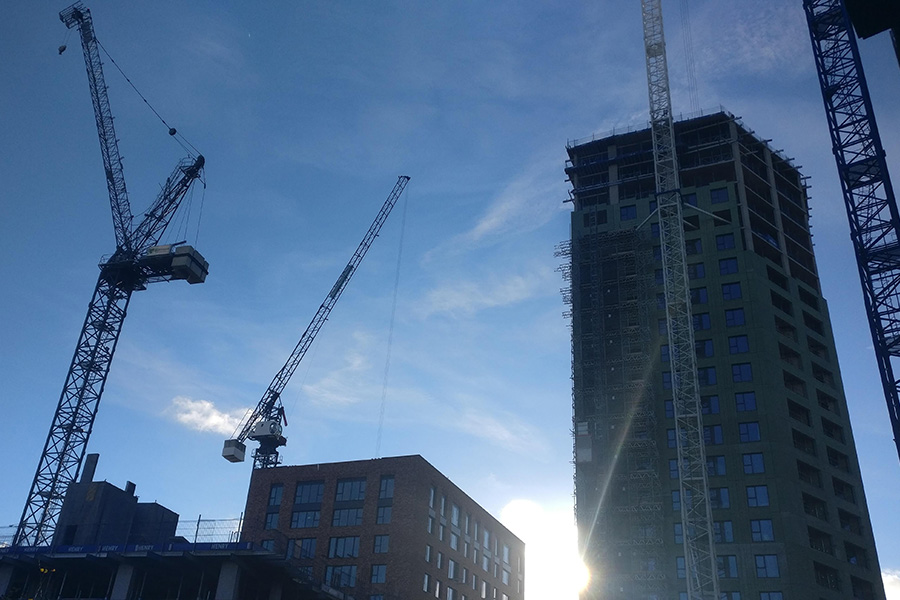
(62, 48)
(172, 131)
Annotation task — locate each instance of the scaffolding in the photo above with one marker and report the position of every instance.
(618, 492)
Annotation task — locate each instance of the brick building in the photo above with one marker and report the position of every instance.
(384, 529)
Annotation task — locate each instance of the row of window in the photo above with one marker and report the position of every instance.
(453, 567)
(344, 576)
(753, 464)
(713, 435)
(766, 567)
(341, 517)
(734, 317)
(761, 530)
(716, 196)
(482, 589)
(351, 489)
(737, 344)
(707, 376)
(757, 495)
(709, 405)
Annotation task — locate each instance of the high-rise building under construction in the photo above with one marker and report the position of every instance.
(789, 513)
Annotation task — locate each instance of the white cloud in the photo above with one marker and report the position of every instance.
(349, 384)
(553, 568)
(891, 578)
(468, 297)
(202, 415)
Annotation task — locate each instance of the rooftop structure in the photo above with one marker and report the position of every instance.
(789, 510)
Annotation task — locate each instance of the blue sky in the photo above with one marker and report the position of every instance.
(307, 113)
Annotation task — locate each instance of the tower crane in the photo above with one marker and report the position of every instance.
(138, 260)
(696, 516)
(263, 424)
(865, 184)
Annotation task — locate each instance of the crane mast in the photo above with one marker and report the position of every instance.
(263, 424)
(137, 261)
(865, 184)
(696, 516)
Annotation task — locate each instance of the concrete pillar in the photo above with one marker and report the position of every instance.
(6, 573)
(123, 583)
(229, 578)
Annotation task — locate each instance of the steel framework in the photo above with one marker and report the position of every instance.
(865, 183)
(130, 268)
(696, 516)
(270, 410)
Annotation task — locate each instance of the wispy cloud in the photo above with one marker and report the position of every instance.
(469, 297)
(346, 385)
(500, 429)
(202, 415)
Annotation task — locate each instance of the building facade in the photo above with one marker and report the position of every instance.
(789, 510)
(384, 529)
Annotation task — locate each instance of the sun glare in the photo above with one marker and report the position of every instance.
(553, 568)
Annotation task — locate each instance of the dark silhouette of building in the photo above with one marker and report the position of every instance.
(789, 510)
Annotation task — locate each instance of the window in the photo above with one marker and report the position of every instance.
(725, 241)
(731, 291)
(309, 492)
(667, 380)
(715, 465)
(454, 515)
(704, 348)
(696, 271)
(441, 532)
(843, 490)
(856, 555)
(382, 542)
(658, 276)
(757, 495)
(341, 577)
(809, 474)
(804, 443)
(379, 573)
(832, 430)
(440, 560)
(676, 499)
(741, 372)
(723, 532)
(454, 541)
(673, 467)
(727, 566)
(689, 199)
(301, 519)
(304, 548)
(693, 246)
(815, 507)
(771, 596)
(344, 517)
(431, 493)
(343, 547)
(386, 491)
(850, 522)
(275, 493)
(819, 540)
(712, 435)
(754, 464)
(734, 317)
(799, 413)
(745, 401)
(428, 554)
(738, 344)
(718, 498)
(426, 584)
(384, 515)
(761, 530)
(350, 489)
(430, 524)
(268, 545)
(679, 533)
(627, 213)
(718, 195)
(709, 405)
(271, 521)
(766, 565)
(670, 409)
(749, 432)
(701, 321)
(727, 266)
(504, 577)
(680, 571)
(706, 375)
(671, 442)
(838, 460)
(827, 577)
(654, 230)
(698, 296)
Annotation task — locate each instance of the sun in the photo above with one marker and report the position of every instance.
(553, 568)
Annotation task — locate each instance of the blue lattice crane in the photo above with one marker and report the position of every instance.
(138, 260)
(865, 183)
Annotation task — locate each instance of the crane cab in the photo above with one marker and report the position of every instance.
(234, 451)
